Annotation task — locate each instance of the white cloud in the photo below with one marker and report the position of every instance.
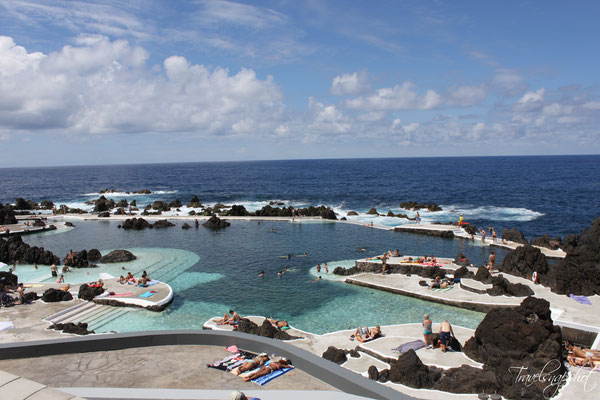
(215, 11)
(400, 97)
(464, 96)
(532, 97)
(353, 84)
(592, 105)
(508, 81)
(103, 86)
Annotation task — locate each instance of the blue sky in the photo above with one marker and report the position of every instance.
(167, 81)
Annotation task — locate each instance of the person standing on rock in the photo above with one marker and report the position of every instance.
(446, 335)
(427, 331)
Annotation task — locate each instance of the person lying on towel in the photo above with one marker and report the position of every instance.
(364, 334)
(267, 369)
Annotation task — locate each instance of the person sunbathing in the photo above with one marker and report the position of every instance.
(122, 280)
(143, 281)
(365, 334)
(248, 365)
(227, 319)
(582, 356)
(267, 369)
(278, 324)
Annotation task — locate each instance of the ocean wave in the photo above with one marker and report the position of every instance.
(126, 194)
(448, 214)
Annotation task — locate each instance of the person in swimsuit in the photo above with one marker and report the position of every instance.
(54, 270)
(251, 364)
(446, 333)
(277, 324)
(227, 319)
(267, 369)
(427, 331)
(491, 262)
(418, 218)
(364, 334)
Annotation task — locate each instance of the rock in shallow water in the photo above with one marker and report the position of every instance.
(116, 256)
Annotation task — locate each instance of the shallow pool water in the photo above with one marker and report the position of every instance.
(211, 272)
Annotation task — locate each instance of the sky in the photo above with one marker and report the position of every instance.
(115, 82)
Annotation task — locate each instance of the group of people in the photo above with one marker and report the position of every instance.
(131, 280)
(446, 334)
(10, 295)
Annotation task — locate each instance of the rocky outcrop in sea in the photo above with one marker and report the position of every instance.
(14, 249)
(117, 256)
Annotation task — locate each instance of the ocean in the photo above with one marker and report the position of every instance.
(211, 272)
(557, 195)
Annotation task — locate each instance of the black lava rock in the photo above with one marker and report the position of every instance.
(335, 355)
(88, 293)
(55, 295)
(94, 255)
(547, 242)
(116, 256)
(523, 261)
(215, 222)
(514, 236)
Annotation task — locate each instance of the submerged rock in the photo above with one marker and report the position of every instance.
(162, 223)
(116, 256)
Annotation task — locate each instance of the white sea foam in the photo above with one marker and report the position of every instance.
(129, 194)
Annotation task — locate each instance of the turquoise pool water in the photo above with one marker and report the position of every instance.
(213, 272)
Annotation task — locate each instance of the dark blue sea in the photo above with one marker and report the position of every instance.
(212, 272)
(557, 195)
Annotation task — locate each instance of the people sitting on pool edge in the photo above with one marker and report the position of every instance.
(267, 369)
(227, 319)
(364, 333)
(248, 365)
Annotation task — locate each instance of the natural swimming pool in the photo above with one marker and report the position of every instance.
(211, 272)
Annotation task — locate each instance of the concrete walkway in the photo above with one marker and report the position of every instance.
(13, 387)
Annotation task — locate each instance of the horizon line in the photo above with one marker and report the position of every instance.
(296, 159)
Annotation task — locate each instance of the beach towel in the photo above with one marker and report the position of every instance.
(121, 294)
(414, 345)
(152, 282)
(230, 362)
(6, 325)
(232, 349)
(147, 294)
(444, 289)
(262, 380)
(581, 299)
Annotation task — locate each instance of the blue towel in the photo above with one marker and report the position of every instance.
(147, 294)
(581, 299)
(262, 380)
